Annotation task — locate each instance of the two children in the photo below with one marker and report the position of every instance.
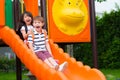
(40, 46)
(38, 41)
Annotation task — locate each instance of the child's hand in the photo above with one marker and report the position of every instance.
(29, 32)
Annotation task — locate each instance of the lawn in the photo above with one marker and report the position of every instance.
(111, 74)
(11, 76)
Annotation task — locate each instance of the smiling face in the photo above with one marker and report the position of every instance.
(70, 16)
(38, 23)
(27, 19)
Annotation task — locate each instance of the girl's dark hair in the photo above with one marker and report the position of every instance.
(21, 21)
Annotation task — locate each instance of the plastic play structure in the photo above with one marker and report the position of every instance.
(75, 70)
(69, 20)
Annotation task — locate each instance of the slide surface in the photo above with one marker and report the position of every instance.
(74, 71)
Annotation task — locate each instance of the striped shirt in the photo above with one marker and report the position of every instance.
(38, 41)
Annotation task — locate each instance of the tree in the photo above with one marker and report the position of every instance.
(108, 42)
(100, 0)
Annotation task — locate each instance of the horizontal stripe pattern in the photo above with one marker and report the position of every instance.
(38, 42)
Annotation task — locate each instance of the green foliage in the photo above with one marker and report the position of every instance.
(108, 42)
(108, 39)
(100, 0)
(6, 64)
(83, 52)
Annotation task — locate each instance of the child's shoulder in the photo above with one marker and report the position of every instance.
(22, 27)
(44, 31)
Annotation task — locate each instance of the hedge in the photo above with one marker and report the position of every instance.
(108, 42)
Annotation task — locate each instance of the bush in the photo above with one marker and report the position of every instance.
(83, 52)
(108, 39)
(6, 64)
(108, 42)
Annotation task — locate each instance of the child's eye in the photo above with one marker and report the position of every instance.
(39, 22)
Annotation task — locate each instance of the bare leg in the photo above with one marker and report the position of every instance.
(53, 62)
(48, 63)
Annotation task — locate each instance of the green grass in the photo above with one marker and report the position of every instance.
(110, 74)
(11, 76)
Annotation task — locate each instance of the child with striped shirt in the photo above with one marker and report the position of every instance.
(40, 46)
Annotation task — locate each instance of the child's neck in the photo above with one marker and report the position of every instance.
(28, 24)
(40, 31)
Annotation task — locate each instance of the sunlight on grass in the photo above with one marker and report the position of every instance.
(11, 76)
(111, 74)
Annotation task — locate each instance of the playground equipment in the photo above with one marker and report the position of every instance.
(75, 70)
(69, 21)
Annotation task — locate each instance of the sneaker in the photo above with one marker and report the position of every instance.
(63, 66)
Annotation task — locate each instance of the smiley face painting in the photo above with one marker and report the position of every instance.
(70, 16)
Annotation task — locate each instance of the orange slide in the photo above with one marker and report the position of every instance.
(74, 71)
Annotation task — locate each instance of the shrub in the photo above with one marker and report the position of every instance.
(108, 42)
(6, 64)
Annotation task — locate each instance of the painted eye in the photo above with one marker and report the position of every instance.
(69, 3)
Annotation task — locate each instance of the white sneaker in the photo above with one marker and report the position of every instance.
(63, 66)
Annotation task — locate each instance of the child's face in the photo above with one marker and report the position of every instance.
(27, 19)
(38, 25)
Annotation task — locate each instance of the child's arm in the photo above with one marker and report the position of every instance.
(48, 48)
(30, 42)
(46, 42)
(24, 34)
(31, 47)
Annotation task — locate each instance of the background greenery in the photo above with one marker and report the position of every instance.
(11, 75)
(7, 65)
(108, 42)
